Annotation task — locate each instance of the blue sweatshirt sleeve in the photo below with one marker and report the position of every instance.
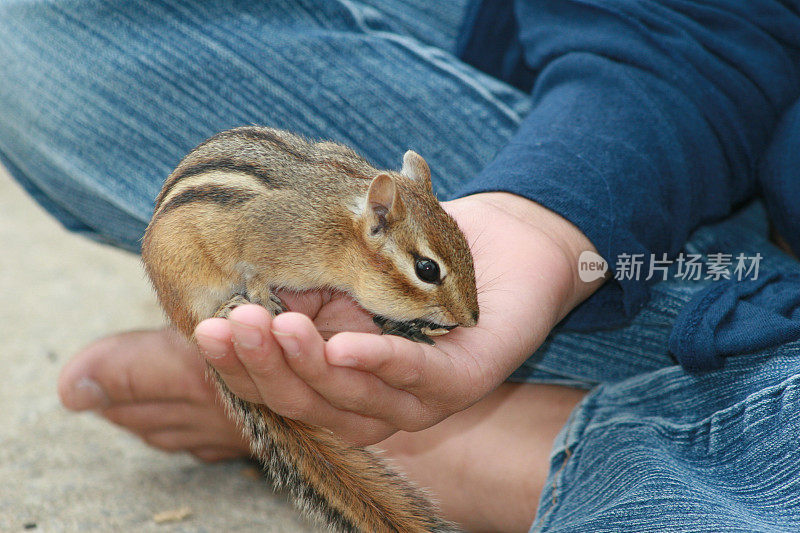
(648, 120)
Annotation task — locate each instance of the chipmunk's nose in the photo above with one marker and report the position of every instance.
(468, 318)
(463, 315)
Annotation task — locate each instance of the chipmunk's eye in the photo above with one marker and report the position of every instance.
(427, 270)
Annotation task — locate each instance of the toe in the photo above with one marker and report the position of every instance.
(131, 367)
(152, 383)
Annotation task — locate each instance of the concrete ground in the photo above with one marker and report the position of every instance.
(61, 471)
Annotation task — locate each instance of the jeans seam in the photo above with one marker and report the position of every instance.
(557, 485)
(570, 441)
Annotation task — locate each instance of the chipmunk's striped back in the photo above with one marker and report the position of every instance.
(268, 158)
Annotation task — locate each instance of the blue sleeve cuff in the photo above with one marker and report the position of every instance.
(535, 172)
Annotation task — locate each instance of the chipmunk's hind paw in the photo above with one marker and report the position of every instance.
(408, 330)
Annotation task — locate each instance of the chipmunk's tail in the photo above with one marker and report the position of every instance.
(346, 488)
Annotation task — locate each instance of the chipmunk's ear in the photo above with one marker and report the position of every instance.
(384, 204)
(415, 167)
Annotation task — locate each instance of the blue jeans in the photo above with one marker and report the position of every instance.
(100, 100)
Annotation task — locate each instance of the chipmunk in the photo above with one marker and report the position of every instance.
(256, 209)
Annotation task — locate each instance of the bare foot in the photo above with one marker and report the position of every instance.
(153, 384)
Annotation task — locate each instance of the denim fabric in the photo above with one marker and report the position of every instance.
(656, 448)
(667, 451)
(99, 100)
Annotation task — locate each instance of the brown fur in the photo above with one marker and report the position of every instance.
(255, 209)
(344, 487)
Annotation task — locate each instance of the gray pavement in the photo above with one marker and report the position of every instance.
(61, 471)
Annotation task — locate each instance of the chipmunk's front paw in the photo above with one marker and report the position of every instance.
(225, 309)
(275, 305)
(408, 330)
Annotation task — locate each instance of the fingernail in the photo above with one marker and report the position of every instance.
(289, 343)
(246, 335)
(210, 348)
(87, 394)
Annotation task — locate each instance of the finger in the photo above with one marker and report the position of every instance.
(261, 358)
(346, 389)
(342, 313)
(279, 387)
(214, 339)
(400, 363)
(119, 369)
(306, 302)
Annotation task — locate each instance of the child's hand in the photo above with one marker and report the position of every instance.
(364, 386)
